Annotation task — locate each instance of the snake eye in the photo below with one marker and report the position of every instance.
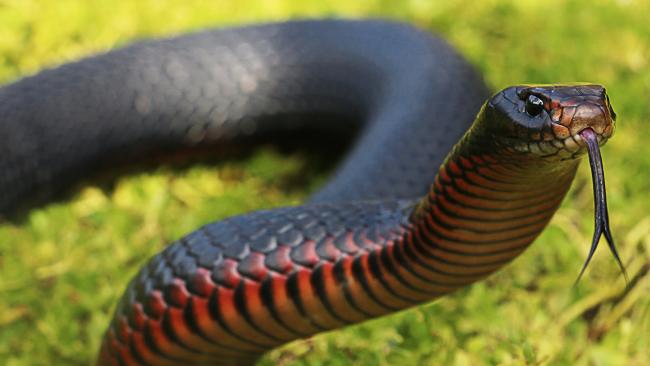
(534, 105)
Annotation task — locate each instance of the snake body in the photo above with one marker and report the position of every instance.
(405, 219)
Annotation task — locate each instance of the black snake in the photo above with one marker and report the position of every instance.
(422, 205)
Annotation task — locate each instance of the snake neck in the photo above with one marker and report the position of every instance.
(306, 269)
(485, 207)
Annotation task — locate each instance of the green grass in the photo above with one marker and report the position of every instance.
(64, 267)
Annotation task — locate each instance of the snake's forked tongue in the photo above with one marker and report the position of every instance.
(600, 202)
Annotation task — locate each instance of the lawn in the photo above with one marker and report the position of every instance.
(64, 266)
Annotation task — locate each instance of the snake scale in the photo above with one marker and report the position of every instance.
(440, 189)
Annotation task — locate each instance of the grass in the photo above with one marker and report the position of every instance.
(64, 267)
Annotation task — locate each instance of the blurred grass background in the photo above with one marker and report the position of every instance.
(63, 268)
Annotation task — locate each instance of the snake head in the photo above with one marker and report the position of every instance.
(546, 120)
(558, 121)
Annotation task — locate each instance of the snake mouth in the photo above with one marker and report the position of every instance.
(576, 145)
(569, 147)
(571, 117)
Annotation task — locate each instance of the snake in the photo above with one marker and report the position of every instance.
(445, 183)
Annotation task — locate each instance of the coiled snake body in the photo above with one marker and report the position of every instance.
(394, 227)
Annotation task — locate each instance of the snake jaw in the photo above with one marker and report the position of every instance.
(567, 148)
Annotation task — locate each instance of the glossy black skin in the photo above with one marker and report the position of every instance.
(408, 95)
(220, 87)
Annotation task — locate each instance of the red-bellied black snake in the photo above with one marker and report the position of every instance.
(437, 192)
